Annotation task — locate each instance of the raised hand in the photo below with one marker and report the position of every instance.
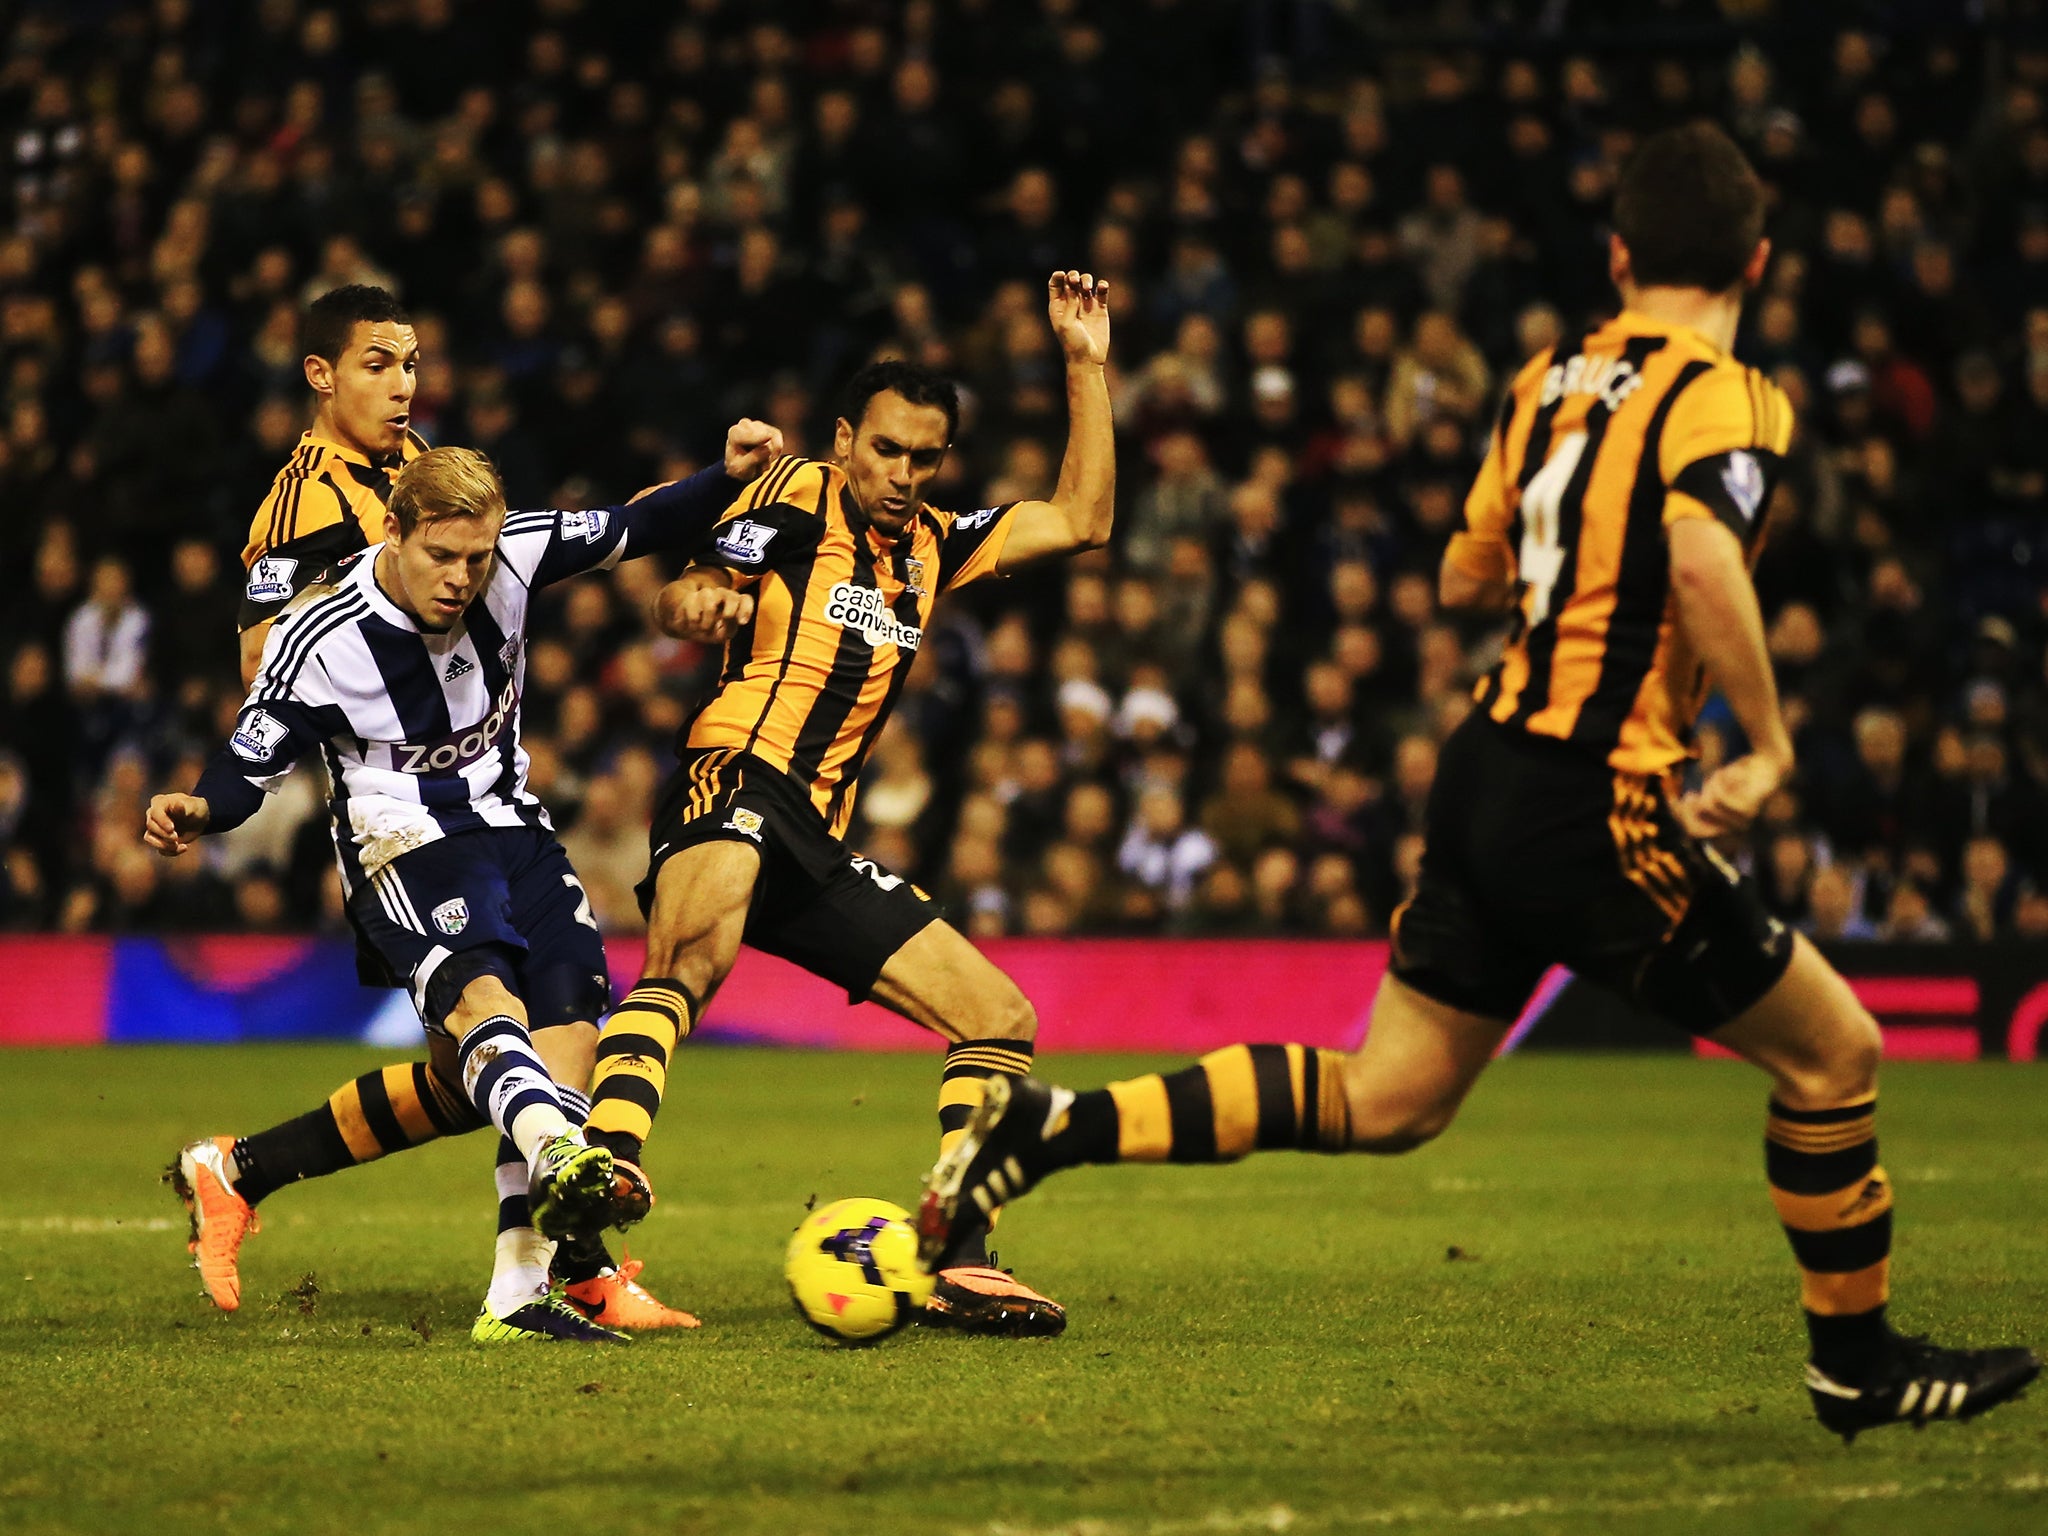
(1078, 307)
(750, 447)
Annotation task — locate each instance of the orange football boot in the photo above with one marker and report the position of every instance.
(979, 1298)
(617, 1299)
(221, 1218)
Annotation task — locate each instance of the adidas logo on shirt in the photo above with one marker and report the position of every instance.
(459, 666)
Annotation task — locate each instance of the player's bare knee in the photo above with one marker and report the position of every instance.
(1394, 1129)
(1839, 1067)
(1848, 1069)
(1386, 1122)
(1005, 1014)
(485, 997)
(700, 912)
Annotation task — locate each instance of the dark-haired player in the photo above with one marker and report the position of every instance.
(824, 576)
(362, 362)
(1617, 512)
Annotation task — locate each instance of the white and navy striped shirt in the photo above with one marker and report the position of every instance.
(419, 729)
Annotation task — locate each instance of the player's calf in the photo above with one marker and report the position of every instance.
(697, 902)
(1232, 1102)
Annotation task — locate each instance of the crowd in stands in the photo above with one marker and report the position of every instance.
(1333, 230)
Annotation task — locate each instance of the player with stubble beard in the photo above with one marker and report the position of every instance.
(821, 581)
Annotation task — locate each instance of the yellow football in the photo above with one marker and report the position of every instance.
(852, 1270)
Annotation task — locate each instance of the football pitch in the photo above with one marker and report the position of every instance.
(1573, 1314)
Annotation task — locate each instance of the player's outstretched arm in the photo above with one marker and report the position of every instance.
(173, 823)
(1084, 502)
(701, 605)
(676, 516)
(1718, 613)
(750, 447)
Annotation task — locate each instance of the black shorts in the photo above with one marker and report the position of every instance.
(511, 889)
(817, 904)
(1537, 853)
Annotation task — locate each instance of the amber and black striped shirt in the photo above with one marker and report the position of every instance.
(839, 612)
(327, 502)
(1601, 444)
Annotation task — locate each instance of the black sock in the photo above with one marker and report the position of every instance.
(1846, 1346)
(298, 1149)
(620, 1144)
(1090, 1134)
(581, 1257)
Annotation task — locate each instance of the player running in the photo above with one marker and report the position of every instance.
(402, 672)
(824, 576)
(1617, 510)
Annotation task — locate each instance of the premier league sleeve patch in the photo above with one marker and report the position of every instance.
(270, 579)
(744, 541)
(1743, 479)
(258, 737)
(1734, 486)
(587, 526)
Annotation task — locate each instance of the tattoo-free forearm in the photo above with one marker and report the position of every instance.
(1086, 493)
(668, 602)
(1721, 622)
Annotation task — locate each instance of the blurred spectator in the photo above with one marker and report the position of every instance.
(608, 847)
(1834, 904)
(1161, 852)
(1246, 814)
(1910, 917)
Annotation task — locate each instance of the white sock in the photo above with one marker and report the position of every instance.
(520, 1270)
(534, 1127)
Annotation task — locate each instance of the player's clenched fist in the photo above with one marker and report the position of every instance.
(702, 608)
(172, 822)
(750, 447)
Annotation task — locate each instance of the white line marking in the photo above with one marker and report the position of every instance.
(1279, 1517)
(82, 1226)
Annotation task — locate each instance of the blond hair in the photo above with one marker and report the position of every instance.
(445, 483)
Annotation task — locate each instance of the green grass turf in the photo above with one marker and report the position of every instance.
(1284, 1345)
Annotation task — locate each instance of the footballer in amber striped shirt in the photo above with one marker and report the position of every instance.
(822, 580)
(362, 363)
(1615, 517)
